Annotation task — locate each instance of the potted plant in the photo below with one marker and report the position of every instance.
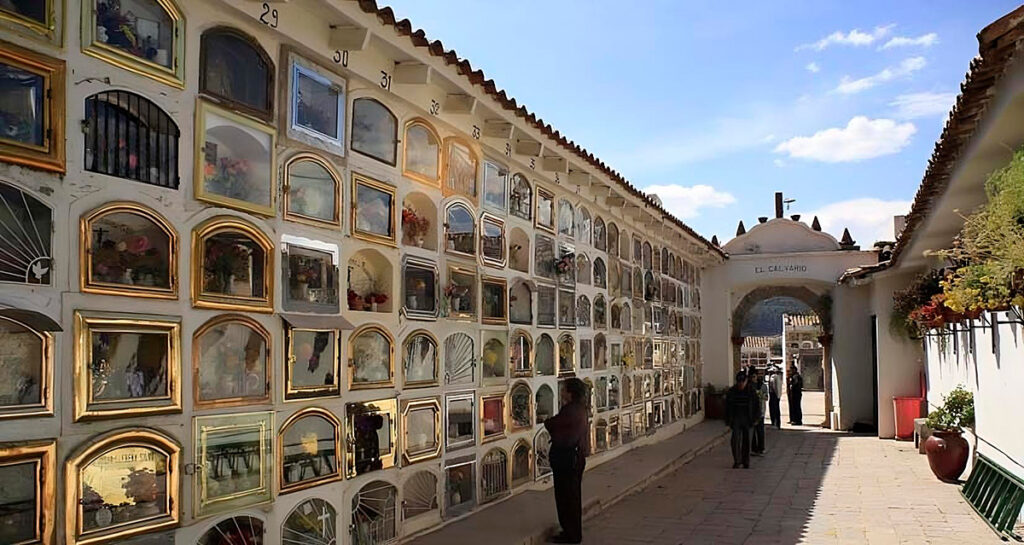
(414, 226)
(947, 449)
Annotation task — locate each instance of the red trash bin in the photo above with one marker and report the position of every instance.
(906, 410)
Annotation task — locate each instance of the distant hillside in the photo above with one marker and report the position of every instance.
(766, 317)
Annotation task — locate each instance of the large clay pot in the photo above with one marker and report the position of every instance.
(947, 454)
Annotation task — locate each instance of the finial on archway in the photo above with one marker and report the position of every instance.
(847, 242)
(714, 240)
(740, 229)
(815, 224)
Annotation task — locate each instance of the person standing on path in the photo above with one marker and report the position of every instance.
(570, 446)
(774, 392)
(796, 394)
(760, 390)
(740, 408)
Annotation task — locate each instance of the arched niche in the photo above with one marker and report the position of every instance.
(601, 435)
(371, 350)
(421, 153)
(460, 229)
(310, 450)
(520, 197)
(522, 462)
(374, 130)
(613, 392)
(600, 313)
(600, 277)
(600, 352)
(566, 218)
(582, 311)
(600, 235)
(582, 269)
(520, 302)
(566, 355)
(521, 406)
(493, 475)
(129, 249)
(236, 530)
(231, 357)
(312, 191)
(370, 282)
(584, 225)
(419, 221)
(374, 513)
(545, 403)
(232, 264)
(613, 239)
(25, 248)
(312, 521)
(519, 250)
(624, 245)
(419, 495)
(235, 69)
(129, 136)
(521, 354)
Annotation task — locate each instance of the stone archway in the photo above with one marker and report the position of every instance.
(819, 303)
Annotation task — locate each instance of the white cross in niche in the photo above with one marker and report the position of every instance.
(323, 518)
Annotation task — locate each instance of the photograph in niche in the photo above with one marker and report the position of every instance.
(494, 301)
(312, 365)
(371, 358)
(374, 210)
(21, 366)
(126, 366)
(316, 103)
(232, 363)
(22, 108)
(19, 492)
(312, 191)
(309, 450)
(233, 266)
(234, 454)
(374, 130)
(127, 249)
(312, 279)
(123, 486)
(420, 360)
(140, 28)
(236, 156)
(371, 426)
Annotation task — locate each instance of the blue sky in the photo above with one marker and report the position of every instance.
(714, 106)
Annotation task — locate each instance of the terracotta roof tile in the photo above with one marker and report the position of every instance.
(436, 48)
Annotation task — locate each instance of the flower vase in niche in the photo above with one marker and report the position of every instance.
(414, 226)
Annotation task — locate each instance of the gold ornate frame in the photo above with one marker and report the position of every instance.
(263, 422)
(421, 404)
(286, 188)
(45, 406)
(539, 192)
(217, 225)
(446, 156)
(484, 398)
(384, 406)
(50, 29)
(85, 251)
(44, 455)
(493, 220)
(469, 208)
(49, 156)
(465, 316)
(436, 182)
(85, 323)
(352, 385)
(293, 393)
(174, 77)
(530, 406)
(283, 487)
(512, 372)
(494, 281)
(358, 180)
(437, 360)
(96, 447)
(203, 107)
(196, 363)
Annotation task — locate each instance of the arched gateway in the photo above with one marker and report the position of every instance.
(787, 258)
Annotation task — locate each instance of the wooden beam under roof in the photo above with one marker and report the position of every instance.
(555, 164)
(349, 38)
(497, 128)
(412, 73)
(579, 177)
(614, 200)
(459, 104)
(528, 147)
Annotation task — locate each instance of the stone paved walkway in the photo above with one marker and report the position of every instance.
(813, 487)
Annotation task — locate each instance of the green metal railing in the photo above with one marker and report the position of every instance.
(996, 495)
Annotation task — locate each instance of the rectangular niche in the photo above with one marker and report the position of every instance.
(492, 417)
(566, 309)
(460, 486)
(545, 216)
(460, 420)
(544, 257)
(419, 288)
(546, 306)
(234, 455)
(372, 436)
(32, 107)
(421, 430)
(493, 301)
(374, 211)
(461, 293)
(235, 164)
(316, 105)
(614, 437)
(311, 275)
(312, 358)
(28, 494)
(627, 427)
(126, 365)
(565, 267)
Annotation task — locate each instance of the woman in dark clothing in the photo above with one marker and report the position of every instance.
(570, 446)
(796, 394)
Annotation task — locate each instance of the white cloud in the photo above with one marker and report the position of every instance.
(905, 68)
(855, 38)
(685, 202)
(779, 163)
(862, 138)
(925, 40)
(914, 105)
(868, 219)
(813, 67)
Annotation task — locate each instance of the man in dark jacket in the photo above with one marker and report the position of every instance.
(570, 445)
(760, 390)
(740, 411)
(774, 392)
(795, 387)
